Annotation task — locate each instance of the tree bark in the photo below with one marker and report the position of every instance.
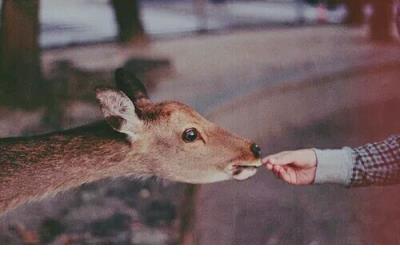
(20, 71)
(398, 18)
(187, 235)
(127, 15)
(381, 22)
(355, 15)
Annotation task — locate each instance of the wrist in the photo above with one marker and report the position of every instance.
(333, 166)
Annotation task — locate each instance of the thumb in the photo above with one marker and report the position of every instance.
(282, 158)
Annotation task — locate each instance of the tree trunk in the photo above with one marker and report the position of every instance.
(381, 22)
(355, 15)
(127, 15)
(187, 235)
(20, 72)
(398, 18)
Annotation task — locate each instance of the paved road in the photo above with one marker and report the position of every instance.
(346, 111)
(244, 81)
(212, 70)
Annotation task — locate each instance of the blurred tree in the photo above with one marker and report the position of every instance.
(20, 72)
(127, 15)
(330, 4)
(381, 22)
(355, 14)
(313, 2)
(398, 18)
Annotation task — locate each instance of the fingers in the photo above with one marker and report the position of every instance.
(303, 158)
(294, 167)
(269, 166)
(275, 170)
(277, 163)
(282, 158)
(284, 173)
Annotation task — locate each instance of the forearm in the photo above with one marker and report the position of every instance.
(372, 164)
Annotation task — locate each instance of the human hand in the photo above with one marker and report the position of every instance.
(295, 167)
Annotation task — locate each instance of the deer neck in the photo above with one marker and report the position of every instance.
(33, 167)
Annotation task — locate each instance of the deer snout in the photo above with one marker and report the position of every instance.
(247, 164)
(256, 150)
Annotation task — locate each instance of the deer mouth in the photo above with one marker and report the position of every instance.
(242, 172)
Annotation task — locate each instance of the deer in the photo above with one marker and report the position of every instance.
(136, 138)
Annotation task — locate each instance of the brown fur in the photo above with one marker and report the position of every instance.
(32, 167)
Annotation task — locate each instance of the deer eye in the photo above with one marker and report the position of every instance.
(190, 135)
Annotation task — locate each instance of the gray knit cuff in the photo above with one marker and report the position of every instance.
(334, 166)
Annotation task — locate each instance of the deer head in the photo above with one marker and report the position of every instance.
(177, 143)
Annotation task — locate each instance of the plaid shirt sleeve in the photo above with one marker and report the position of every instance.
(377, 163)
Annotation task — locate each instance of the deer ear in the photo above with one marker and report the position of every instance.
(119, 111)
(132, 87)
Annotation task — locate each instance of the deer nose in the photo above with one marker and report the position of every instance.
(256, 150)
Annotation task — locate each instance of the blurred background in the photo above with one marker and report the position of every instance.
(285, 73)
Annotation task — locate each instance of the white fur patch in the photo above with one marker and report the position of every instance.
(245, 174)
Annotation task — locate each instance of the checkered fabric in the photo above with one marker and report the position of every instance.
(377, 163)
